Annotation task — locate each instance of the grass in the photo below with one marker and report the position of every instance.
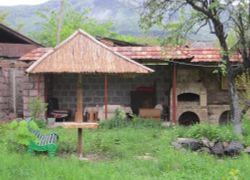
(121, 148)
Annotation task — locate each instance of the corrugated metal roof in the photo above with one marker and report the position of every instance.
(82, 53)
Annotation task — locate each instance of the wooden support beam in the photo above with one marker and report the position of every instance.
(106, 96)
(79, 100)
(174, 94)
(14, 89)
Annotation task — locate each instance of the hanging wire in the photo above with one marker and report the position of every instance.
(192, 64)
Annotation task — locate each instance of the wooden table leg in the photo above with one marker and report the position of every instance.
(80, 143)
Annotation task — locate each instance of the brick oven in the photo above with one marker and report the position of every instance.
(191, 98)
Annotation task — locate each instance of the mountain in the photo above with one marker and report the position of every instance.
(123, 13)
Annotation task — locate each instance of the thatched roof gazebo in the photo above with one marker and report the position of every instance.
(83, 54)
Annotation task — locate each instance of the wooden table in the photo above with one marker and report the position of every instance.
(80, 126)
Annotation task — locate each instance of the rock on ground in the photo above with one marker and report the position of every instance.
(234, 148)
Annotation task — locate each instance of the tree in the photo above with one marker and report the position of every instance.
(60, 22)
(3, 16)
(221, 16)
(51, 29)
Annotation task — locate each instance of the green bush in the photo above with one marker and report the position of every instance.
(40, 123)
(246, 129)
(246, 125)
(20, 134)
(210, 131)
(37, 108)
(117, 121)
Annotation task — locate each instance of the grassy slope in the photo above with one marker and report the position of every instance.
(120, 146)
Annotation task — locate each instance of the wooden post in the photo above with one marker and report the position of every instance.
(79, 100)
(14, 91)
(106, 96)
(38, 84)
(174, 95)
(80, 143)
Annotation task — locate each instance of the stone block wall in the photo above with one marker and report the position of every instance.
(33, 86)
(11, 92)
(119, 88)
(215, 112)
(4, 94)
(16, 81)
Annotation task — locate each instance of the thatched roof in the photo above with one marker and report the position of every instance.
(82, 53)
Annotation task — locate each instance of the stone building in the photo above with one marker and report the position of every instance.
(13, 45)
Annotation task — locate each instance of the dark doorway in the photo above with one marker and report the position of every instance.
(188, 118)
(225, 118)
(143, 97)
(188, 97)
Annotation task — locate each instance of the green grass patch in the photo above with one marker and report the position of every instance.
(122, 149)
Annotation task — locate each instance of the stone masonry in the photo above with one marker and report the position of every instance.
(213, 101)
(33, 86)
(119, 88)
(4, 98)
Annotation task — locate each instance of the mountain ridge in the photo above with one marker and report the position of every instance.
(123, 13)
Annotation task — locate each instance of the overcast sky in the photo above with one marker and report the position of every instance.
(21, 2)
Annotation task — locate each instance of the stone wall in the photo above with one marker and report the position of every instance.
(119, 88)
(205, 83)
(212, 82)
(33, 86)
(4, 95)
(11, 88)
(16, 78)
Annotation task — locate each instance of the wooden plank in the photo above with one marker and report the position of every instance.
(150, 113)
(74, 125)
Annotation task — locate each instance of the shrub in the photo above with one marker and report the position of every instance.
(21, 136)
(37, 108)
(117, 121)
(210, 131)
(40, 123)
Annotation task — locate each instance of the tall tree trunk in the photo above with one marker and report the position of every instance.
(236, 112)
(60, 22)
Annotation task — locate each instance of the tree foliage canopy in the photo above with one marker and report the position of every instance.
(73, 20)
(3, 16)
